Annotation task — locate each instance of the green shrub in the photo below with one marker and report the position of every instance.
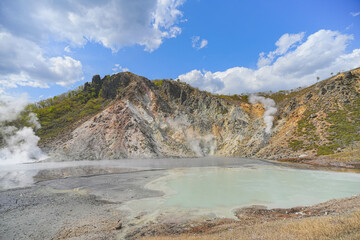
(324, 150)
(296, 144)
(158, 83)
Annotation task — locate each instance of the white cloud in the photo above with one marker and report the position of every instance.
(354, 14)
(322, 53)
(198, 43)
(284, 43)
(27, 26)
(203, 43)
(23, 62)
(67, 49)
(112, 23)
(203, 80)
(117, 68)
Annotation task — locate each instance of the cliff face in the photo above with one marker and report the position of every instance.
(169, 118)
(165, 118)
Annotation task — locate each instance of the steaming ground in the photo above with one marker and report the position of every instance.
(18, 145)
(83, 201)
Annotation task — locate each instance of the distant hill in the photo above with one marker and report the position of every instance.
(127, 116)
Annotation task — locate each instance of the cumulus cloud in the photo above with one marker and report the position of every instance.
(112, 23)
(198, 43)
(284, 43)
(26, 27)
(270, 109)
(117, 68)
(203, 80)
(23, 62)
(320, 54)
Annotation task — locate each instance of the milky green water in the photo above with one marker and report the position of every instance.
(264, 185)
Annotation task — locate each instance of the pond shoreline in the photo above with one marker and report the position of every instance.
(248, 218)
(322, 163)
(85, 203)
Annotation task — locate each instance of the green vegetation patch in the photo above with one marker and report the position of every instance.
(306, 130)
(284, 94)
(235, 97)
(325, 150)
(343, 131)
(345, 126)
(57, 114)
(305, 127)
(158, 83)
(296, 144)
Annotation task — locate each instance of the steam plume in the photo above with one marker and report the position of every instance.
(17, 145)
(270, 109)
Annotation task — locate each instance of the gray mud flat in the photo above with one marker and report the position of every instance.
(83, 202)
(72, 208)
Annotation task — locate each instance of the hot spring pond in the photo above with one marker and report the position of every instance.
(271, 186)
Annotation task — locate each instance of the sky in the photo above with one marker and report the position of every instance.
(48, 47)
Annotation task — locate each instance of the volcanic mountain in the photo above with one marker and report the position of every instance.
(129, 116)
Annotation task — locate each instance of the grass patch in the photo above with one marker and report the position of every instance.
(345, 227)
(349, 155)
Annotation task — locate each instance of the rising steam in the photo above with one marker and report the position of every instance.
(17, 145)
(201, 145)
(270, 109)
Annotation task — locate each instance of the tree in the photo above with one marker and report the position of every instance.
(317, 78)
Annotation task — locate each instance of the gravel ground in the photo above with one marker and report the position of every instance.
(65, 209)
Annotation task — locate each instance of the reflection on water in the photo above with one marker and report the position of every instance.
(265, 185)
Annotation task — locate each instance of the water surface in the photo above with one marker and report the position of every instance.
(22, 175)
(272, 186)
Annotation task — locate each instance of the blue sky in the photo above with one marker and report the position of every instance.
(49, 47)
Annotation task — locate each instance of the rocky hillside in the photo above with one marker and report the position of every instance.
(128, 116)
(322, 119)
